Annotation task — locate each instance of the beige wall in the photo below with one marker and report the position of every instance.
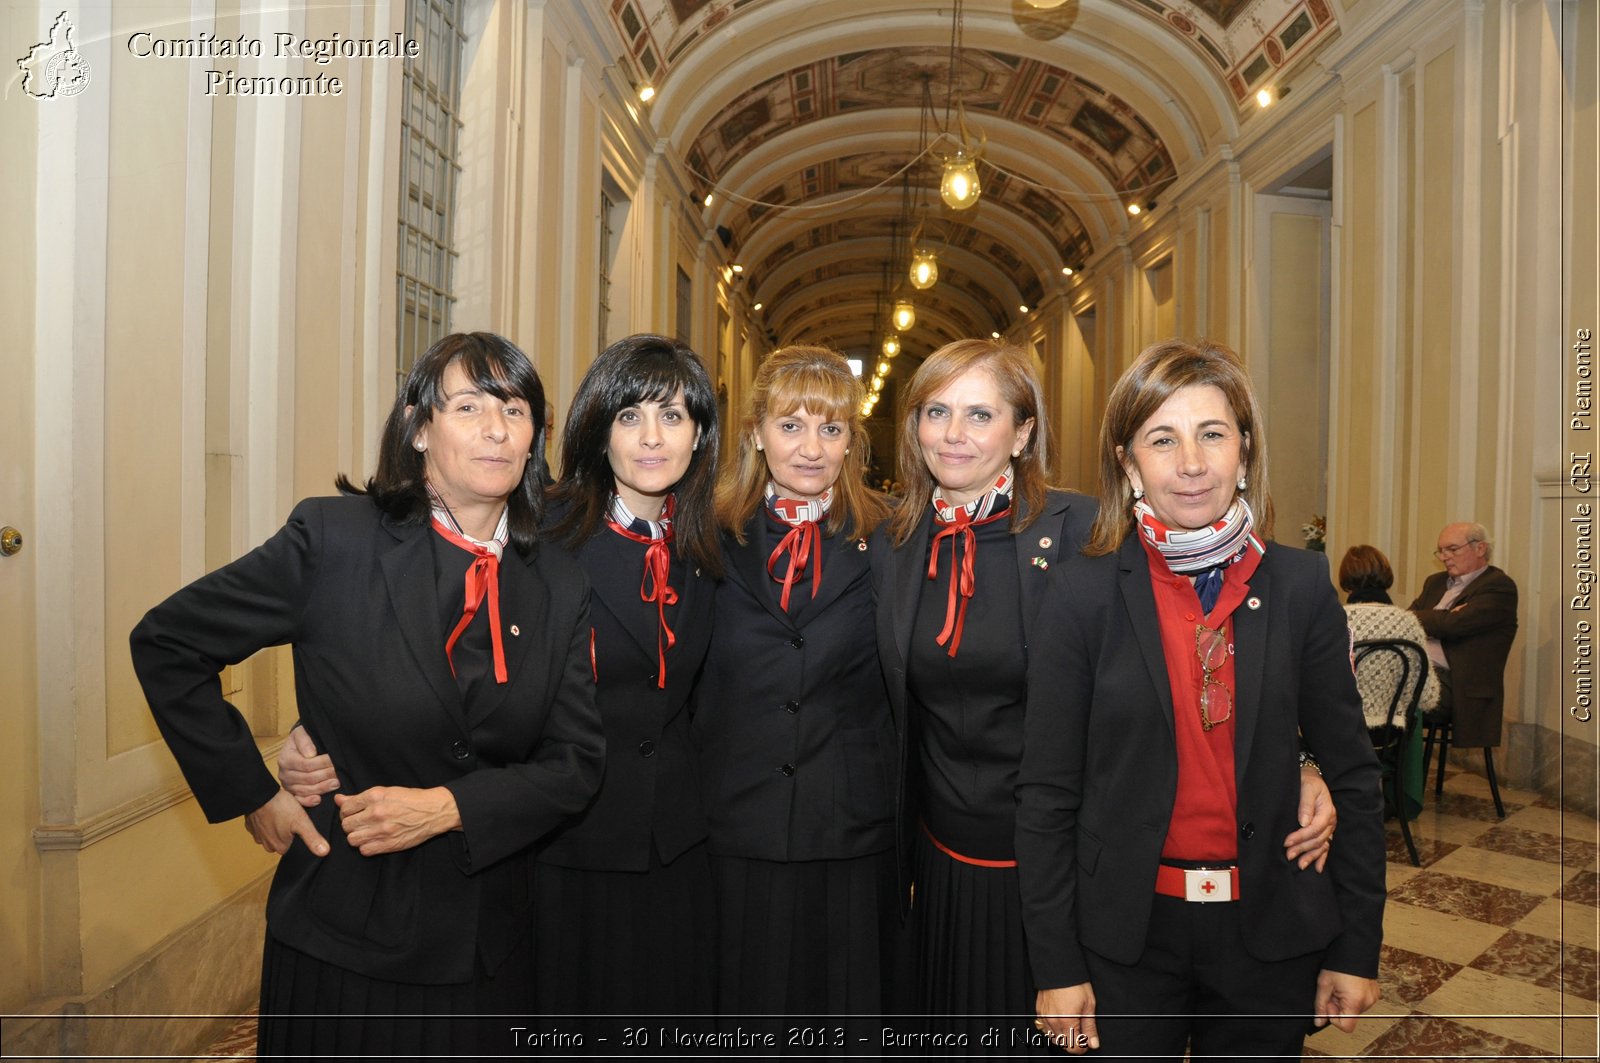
(215, 341)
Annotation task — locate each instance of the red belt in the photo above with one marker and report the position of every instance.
(1202, 884)
(963, 858)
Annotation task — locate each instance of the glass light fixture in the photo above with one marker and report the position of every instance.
(891, 346)
(1044, 5)
(1264, 98)
(647, 93)
(1135, 209)
(709, 197)
(883, 369)
(959, 186)
(924, 269)
(904, 316)
(877, 384)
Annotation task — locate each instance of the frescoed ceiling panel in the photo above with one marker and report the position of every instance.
(1092, 122)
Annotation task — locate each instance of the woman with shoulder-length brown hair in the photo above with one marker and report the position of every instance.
(796, 741)
(1188, 655)
(960, 575)
(961, 579)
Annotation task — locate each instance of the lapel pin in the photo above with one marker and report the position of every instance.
(1254, 603)
(1040, 562)
(861, 544)
(1045, 542)
(515, 631)
(697, 573)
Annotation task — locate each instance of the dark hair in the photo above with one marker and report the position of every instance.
(1156, 375)
(494, 365)
(819, 380)
(1014, 374)
(1364, 568)
(636, 369)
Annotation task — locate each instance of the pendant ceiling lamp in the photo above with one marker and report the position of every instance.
(959, 187)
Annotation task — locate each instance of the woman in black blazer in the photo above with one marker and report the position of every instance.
(1188, 654)
(962, 571)
(791, 718)
(962, 575)
(447, 676)
(624, 915)
(623, 902)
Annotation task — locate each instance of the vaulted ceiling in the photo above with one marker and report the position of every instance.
(803, 119)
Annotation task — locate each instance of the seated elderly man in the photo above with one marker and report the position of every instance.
(1469, 612)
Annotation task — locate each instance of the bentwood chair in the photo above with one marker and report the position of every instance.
(1407, 665)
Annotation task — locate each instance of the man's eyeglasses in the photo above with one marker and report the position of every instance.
(1451, 551)
(1216, 700)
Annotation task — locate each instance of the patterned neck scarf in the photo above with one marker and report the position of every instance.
(657, 536)
(482, 580)
(952, 522)
(1204, 552)
(802, 544)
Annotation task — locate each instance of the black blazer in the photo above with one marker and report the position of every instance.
(1476, 633)
(1100, 770)
(357, 597)
(900, 576)
(791, 718)
(651, 789)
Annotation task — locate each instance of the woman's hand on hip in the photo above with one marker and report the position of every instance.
(303, 772)
(1066, 1017)
(1341, 997)
(276, 824)
(388, 819)
(1312, 842)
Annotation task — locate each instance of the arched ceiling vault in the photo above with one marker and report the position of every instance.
(1038, 169)
(801, 114)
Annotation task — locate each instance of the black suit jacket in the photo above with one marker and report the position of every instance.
(791, 718)
(1100, 770)
(651, 790)
(357, 596)
(1476, 633)
(901, 577)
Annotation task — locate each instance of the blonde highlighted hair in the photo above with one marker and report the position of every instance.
(819, 381)
(1018, 382)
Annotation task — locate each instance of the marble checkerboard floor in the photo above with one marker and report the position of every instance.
(1490, 947)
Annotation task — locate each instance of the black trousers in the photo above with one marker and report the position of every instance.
(1197, 988)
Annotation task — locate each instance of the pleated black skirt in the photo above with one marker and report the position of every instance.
(312, 1009)
(810, 938)
(969, 955)
(626, 944)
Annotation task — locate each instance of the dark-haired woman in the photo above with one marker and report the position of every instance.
(623, 899)
(793, 724)
(1365, 576)
(441, 658)
(624, 920)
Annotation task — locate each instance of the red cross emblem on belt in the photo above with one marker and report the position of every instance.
(1209, 886)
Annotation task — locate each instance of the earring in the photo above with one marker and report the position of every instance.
(847, 452)
(1138, 493)
(1243, 483)
(420, 446)
(758, 444)
(1017, 453)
